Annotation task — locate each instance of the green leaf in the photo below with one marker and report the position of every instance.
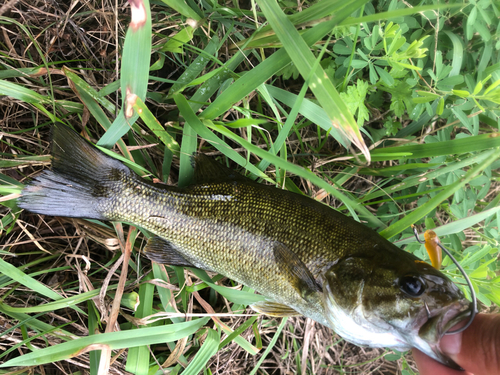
(428, 94)
(385, 76)
(176, 43)
(461, 93)
(450, 82)
(463, 118)
(458, 53)
(396, 44)
(440, 107)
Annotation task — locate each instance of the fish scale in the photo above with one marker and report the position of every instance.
(305, 257)
(215, 234)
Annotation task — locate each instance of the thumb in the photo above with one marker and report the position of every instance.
(477, 349)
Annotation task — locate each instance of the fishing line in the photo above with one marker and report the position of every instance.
(472, 292)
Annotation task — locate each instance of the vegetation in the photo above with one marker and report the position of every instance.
(385, 110)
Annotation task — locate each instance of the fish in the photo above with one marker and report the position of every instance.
(303, 256)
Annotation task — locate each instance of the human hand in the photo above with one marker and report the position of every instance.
(477, 349)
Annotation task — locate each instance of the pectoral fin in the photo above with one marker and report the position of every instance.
(295, 271)
(161, 251)
(274, 309)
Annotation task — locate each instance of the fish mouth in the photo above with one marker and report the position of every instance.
(437, 325)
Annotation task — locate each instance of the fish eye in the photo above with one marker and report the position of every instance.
(412, 285)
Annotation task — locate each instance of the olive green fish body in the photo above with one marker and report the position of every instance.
(233, 228)
(302, 255)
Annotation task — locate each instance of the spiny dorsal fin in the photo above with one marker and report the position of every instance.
(208, 170)
(161, 251)
(295, 271)
(274, 309)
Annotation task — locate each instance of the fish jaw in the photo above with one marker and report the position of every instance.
(361, 327)
(433, 329)
(356, 326)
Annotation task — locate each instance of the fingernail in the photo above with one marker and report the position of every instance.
(451, 344)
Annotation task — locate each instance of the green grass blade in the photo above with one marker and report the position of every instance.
(193, 121)
(396, 13)
(427, 176)
(308, 175)
(321, 86)
(183, 8)
(237, 296)
(270, 66)
(316, 13)
(457, 226)
(309, 110)
(431, 204)
(134, 70)
(14, 273)
(152, 123)
(60, 303)
(196, 67)
(21, 93)
(115, 340)
(138, 357)
(231, 336)
(93, 325)
(87, 96)
(454, 147)
(458, 54)
(36, 324)
(207, 350)
(270, 346)
(89, 90)
(188, 149)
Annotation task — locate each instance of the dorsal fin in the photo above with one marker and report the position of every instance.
(208, 170)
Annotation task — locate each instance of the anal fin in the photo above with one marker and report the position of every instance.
(274, 309)
(161, 251)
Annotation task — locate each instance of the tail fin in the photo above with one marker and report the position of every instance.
(77, 184)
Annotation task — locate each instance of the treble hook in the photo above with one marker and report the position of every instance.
(472, 292)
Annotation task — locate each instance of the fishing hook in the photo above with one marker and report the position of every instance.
(472, 292)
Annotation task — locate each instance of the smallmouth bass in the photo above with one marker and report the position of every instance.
(307, 258)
